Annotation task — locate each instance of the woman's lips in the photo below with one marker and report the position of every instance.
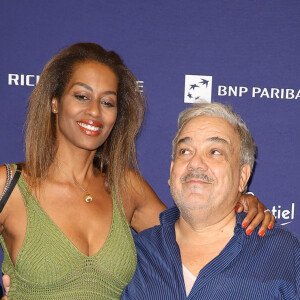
(89, 127)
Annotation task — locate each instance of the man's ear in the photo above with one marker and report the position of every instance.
(244, 176)
(54, 105)
(171, 167)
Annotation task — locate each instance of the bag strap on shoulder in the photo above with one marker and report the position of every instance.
(11, 183)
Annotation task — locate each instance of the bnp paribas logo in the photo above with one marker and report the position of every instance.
(197, 89)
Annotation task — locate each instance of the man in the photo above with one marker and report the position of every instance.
(200, 250)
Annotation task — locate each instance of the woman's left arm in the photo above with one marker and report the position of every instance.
(146, 207)
(141, 204)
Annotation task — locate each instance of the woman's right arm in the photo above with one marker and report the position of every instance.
(3, 179)
(9, 217)
(5, 278)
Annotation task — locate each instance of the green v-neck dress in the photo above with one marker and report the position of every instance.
(49, 266)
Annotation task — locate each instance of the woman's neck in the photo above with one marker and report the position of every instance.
(73, 163)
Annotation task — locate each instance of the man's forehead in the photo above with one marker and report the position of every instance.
(208, 127)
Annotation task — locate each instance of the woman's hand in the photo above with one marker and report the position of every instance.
(257, 213)
(6, 285)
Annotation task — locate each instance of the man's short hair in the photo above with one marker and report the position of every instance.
(248, 146)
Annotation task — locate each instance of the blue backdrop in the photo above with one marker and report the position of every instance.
(249, 48)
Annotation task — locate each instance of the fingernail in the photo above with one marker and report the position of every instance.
(244, 224)
(249, 231)
(261, 233)
(270, 226)
(237, 208)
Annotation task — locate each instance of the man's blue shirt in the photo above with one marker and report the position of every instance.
(249, 267)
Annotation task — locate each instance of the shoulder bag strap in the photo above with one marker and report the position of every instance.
(11, 187)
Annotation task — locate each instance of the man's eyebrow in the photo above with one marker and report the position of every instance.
(91, 89)
(218, 140)
(214, 139)
(187, 140)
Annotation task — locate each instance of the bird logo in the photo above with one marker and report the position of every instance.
(197, 88)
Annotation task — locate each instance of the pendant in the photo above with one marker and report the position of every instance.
(88, 198)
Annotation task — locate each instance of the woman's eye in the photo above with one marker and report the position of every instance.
(107, 103)
(81, 97)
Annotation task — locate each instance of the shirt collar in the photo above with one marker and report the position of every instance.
(171, 215)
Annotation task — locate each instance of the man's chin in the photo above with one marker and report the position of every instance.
(194, 212)
(194, 202)
(198, 189)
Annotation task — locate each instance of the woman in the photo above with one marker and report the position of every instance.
(65, 229)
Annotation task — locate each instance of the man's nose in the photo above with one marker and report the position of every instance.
(198, 162)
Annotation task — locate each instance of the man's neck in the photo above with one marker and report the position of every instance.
(193, 230)
(200, 243)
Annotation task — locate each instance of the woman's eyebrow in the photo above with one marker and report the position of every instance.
(91, 89)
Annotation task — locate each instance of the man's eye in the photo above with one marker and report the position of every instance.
(216, 152)
(184, 151)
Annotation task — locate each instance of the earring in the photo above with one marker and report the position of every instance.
(53, 107)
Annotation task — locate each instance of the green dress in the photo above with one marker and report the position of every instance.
(49, 266)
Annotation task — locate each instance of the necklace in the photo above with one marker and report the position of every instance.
(88, 197)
